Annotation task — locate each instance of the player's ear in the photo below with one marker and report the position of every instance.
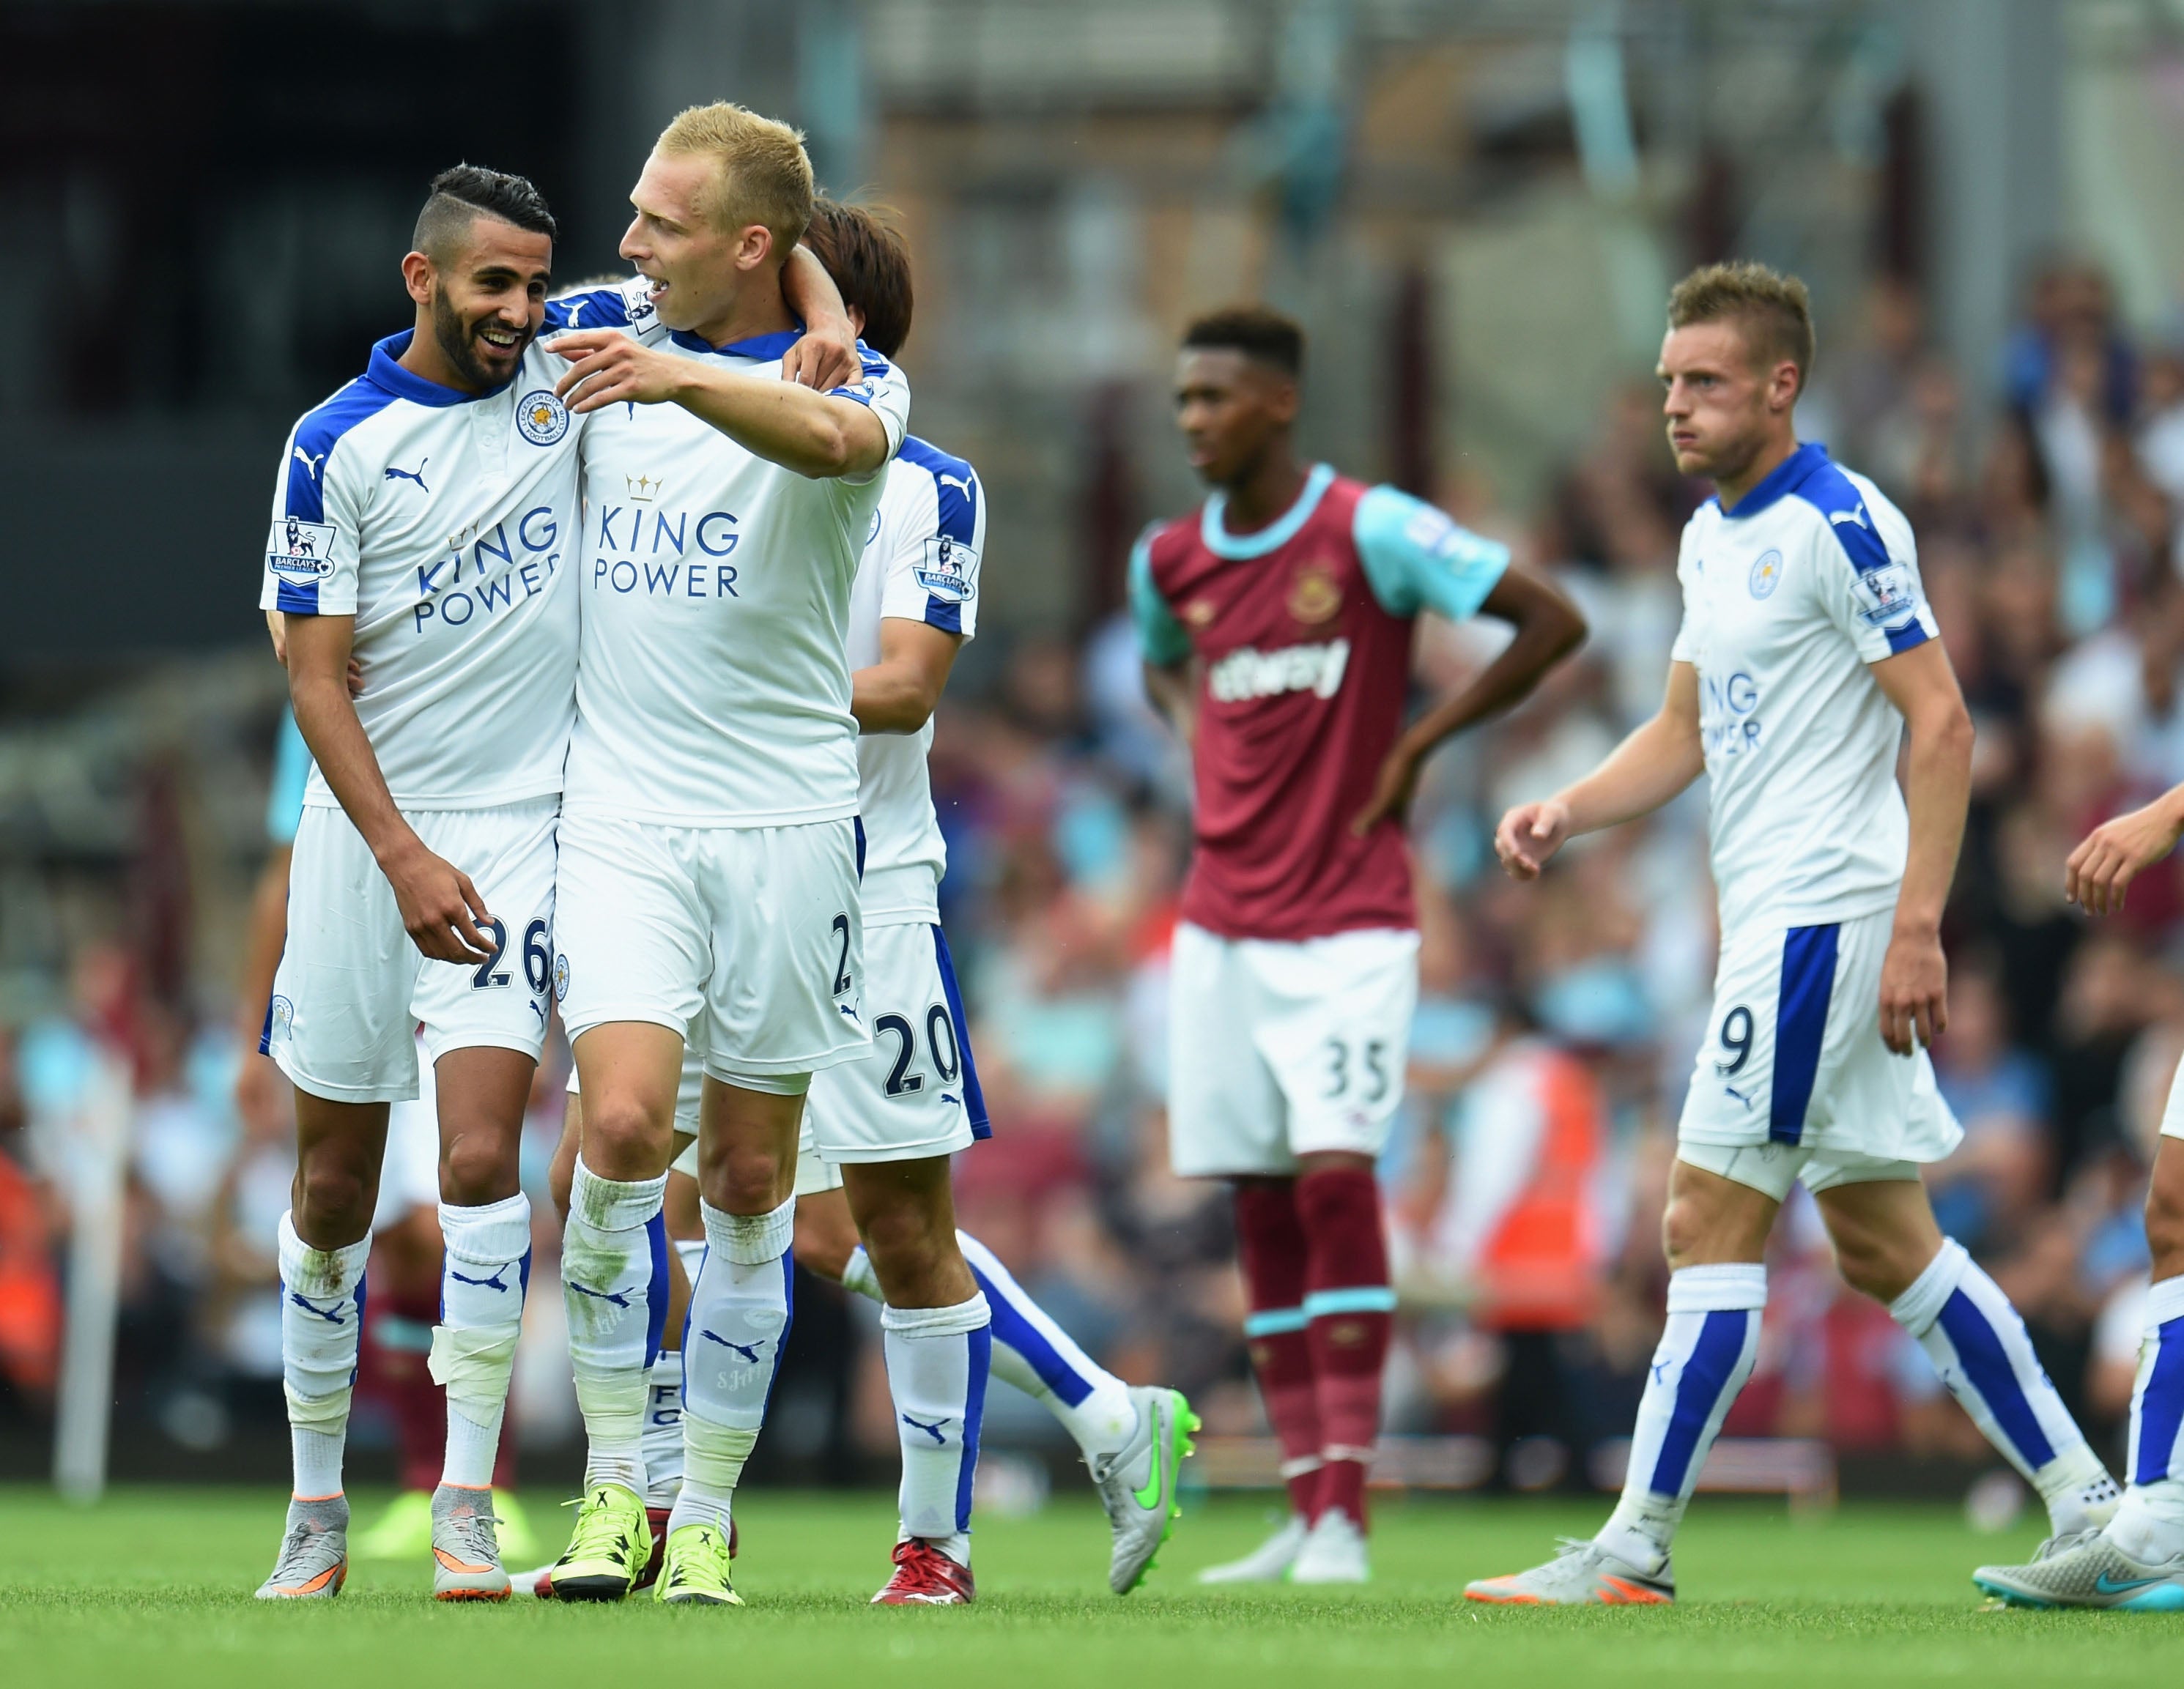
(1784, 389)
(417, 277)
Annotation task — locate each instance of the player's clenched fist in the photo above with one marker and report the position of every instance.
(2116, 853)
(440, 909)
(609, 367)
(1529, 835)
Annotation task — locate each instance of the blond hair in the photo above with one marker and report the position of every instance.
(763, 174)
(1773, 310)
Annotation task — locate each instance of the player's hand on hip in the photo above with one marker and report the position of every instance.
(607, 367)
(1914, 992)
(1529, 835)
(2116, 853)
(440, 909)
(1392, 792)
(824, 358)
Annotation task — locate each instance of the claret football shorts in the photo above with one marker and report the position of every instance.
(1282, 1048)
(1793, 1070)
(353, 988)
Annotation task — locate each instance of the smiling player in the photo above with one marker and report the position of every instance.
(421, 524)
(710, 845)
(1807, 652)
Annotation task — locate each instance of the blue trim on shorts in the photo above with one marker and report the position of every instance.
(974, 1094)
(265, 1032)
(858, 822)
(1801, 1026)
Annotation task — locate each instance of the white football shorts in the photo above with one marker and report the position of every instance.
(915, 1094)
(1278, 1049)
(1795, 1061)
(352, 988)
(746, 940)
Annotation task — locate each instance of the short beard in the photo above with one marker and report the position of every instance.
(455, 343)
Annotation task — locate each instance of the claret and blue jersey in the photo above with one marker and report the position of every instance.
(1788, 598)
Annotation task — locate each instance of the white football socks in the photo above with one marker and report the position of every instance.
(322, 1297)
(1706, 1351)
(485, 1272)
(1033, 1354)
(2149, 1524)
(937, 1360)
(1979, 1346)
(739, 1317)
(612, 1249)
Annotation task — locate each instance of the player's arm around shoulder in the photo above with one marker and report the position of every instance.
(848, 433)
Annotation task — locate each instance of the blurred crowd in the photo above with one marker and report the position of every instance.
(1556, 1022)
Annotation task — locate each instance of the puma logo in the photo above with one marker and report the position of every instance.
(1855, 517)
(620, 1298)
(957, 482)
(311, 463)
(332, 1318)
(416, 474)
(491, 1283)
(748, 1350)
(932, 1430)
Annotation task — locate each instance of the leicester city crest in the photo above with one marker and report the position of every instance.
(1766, 573)
(541, 419)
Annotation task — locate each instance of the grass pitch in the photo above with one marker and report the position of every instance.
(153, 1587)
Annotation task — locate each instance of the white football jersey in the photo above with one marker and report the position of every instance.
(1786, 599)
(446, 525)
(713, 689)
(920, 565)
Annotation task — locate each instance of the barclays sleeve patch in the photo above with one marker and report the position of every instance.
(1887, 597)
(300, 552)
(946, 569)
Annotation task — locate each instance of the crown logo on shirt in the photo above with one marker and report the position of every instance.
(642, 489)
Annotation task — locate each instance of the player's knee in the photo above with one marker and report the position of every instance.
(623, 1136)
(334, 1192)
(476, 1169)
(745, 1178)
(1873, 1263)
(1684, 1232)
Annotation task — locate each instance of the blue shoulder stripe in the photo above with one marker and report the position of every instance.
(316, 438)
(956, 500)
(1832, 493)
(603, 308)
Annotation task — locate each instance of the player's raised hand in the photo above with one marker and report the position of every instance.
(1391, 793)
(609, 367)
(2116, 853)
(440, 909)
(824, 358)
(1914, 992)
(1529, 835)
